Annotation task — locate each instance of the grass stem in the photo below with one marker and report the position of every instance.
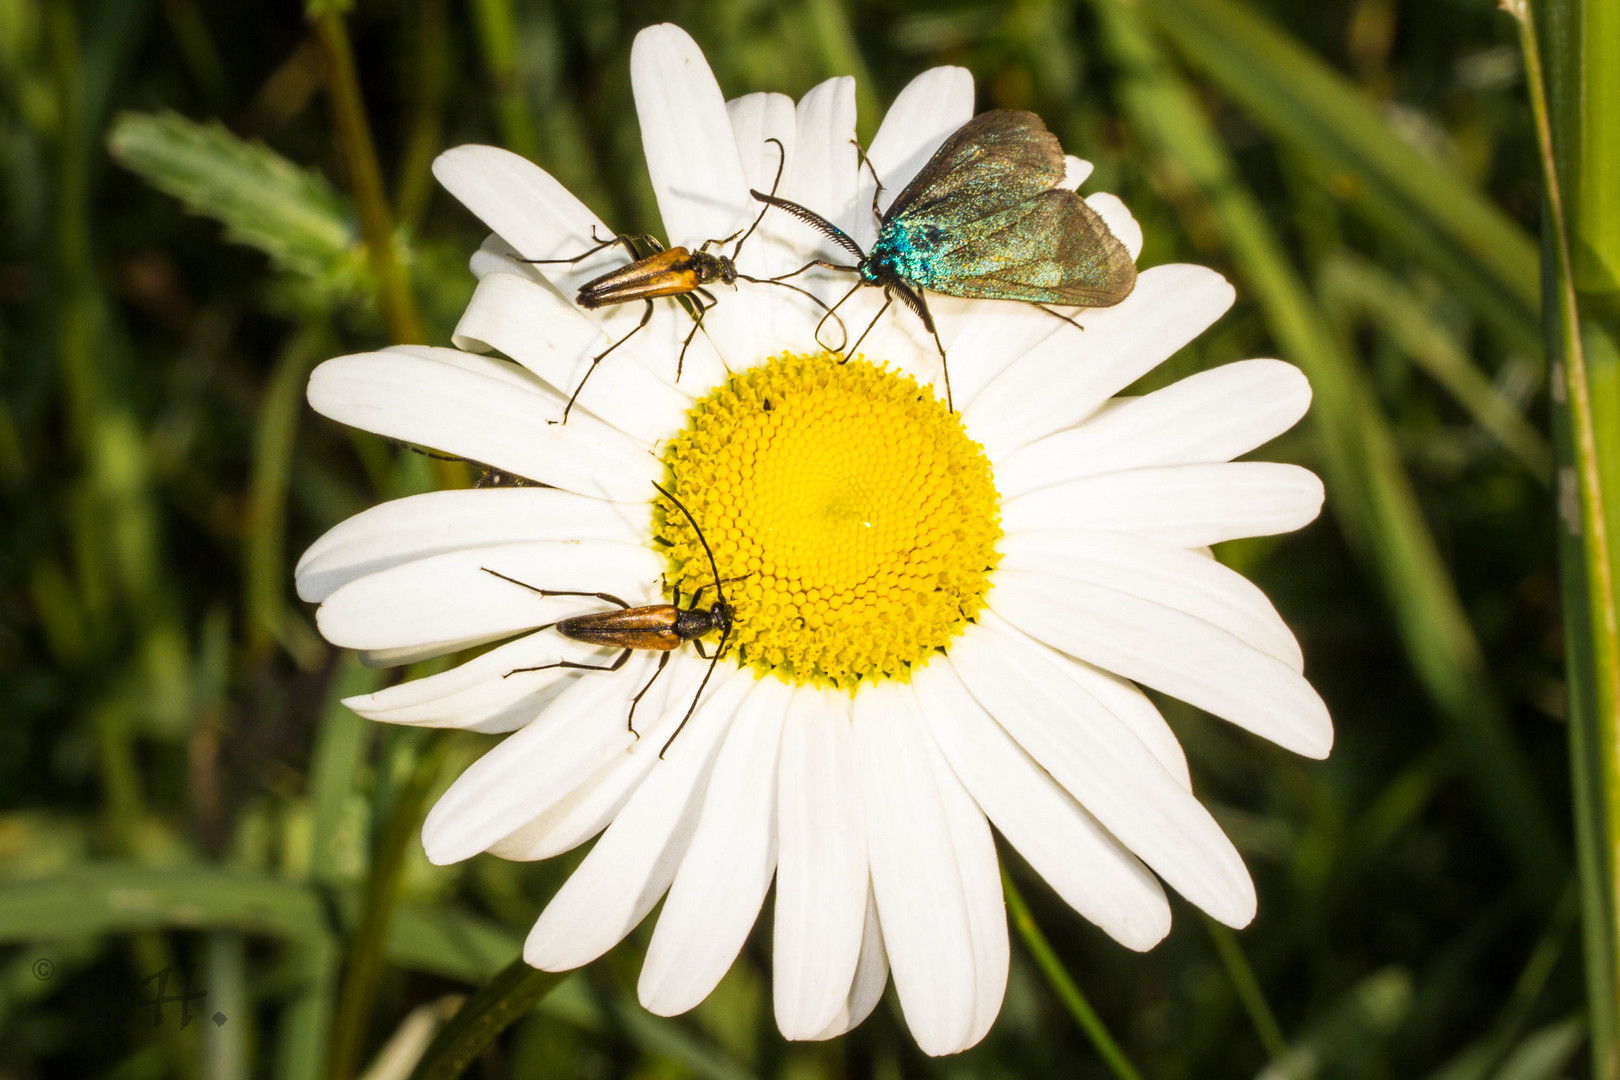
(1064, 985)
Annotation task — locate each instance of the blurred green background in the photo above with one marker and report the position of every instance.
(182, 185)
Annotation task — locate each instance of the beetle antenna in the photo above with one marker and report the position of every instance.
(724, 634)
(781, 161)
(712, 567)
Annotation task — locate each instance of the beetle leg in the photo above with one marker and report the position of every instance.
(622, 238)
(699, 295)
(630, 721)
(576, 665)
(609, 597)
(646, 317)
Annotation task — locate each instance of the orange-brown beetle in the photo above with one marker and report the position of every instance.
(660, 627)
(656, 272)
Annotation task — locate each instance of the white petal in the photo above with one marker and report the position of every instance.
(587, 809)
(387, 658)
(1172, 652)
(530, 210)
(983, 339)
(485, 411)
(1185, 505)
(477, 695)
(1135, 710)
(691, 155)
(635, 860)
(439, 521)
(1087, 750)
(924, 115)
(496, 256)
(535, 766)
(1075, 171)
(821, 876)
(755, 119)
(1082, 862)
(823, 175)
(458, 595)
(1209, 417)
(1163, 573)
(871, 976)
(1066, 377)
(718, 890)
(915, 873)
(1117, 216)
(630, 388)
(981, 887)
(583, 812)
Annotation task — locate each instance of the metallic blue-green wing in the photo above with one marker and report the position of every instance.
(985, 219)
(993, 161)
(1049, 249)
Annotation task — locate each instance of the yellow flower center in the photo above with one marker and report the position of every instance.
(864, 518)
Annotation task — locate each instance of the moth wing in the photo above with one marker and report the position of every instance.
(995, 160)
(1050, 249)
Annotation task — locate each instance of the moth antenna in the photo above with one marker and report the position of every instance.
(806, 293)
(815, 221)
(888, 298)
(842, 328)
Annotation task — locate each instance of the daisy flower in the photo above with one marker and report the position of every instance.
(941, 620)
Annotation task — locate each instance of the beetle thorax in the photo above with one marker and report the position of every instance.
(712, 268)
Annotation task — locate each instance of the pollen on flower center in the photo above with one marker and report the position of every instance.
(863, 517)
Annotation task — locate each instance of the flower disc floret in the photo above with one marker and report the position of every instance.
(859, 518)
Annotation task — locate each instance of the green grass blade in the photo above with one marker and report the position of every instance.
(394, 296)
(1248, 989)
(1433, 213)
(668, 1039)
(226, 1045)
(1582, 329)
(1355, 1026)
(1545, 1054)
(363, 966)
(1361, 289)
(497, 26)
(265, 580)
(482, 1018)
(119, 898)
(1063, 985)
(1369, 491)
(337, 761)
(306, 1019)
(449, 942)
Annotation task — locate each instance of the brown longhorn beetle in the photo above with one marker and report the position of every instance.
(661, 627)
(679, 272)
